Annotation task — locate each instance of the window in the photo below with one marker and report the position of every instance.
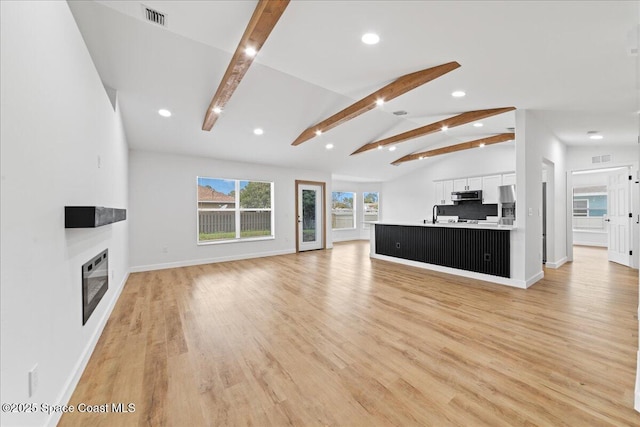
(370, 208)
(589, 207)
(231, 210)
(342, 210)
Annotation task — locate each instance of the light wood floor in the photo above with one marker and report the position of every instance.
(334, 338)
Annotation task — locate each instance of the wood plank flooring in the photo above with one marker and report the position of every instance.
(334, 338)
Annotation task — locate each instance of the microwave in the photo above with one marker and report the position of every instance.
(458, 196)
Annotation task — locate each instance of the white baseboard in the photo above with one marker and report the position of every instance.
(557, 264)
(152, 267)
(533, 279)
(81, 364)
(457, 272)
(350, 239)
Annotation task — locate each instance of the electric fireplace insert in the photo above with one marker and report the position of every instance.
(95, 282)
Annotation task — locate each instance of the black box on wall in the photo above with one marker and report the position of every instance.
(92, 216)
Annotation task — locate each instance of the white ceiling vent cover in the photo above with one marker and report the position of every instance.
(151, 15)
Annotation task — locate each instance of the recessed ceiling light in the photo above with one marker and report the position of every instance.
(421, 157)
(379, 102)
(596, 136)
(250, 51)
(478, 125)
(458, 94)
(481, 145)
(444, 128)
(318, 132)
(164, 113)
(370, 38)
(392, 148)
(258, 131)
(217, 110)
(328, 146)
(379, 147)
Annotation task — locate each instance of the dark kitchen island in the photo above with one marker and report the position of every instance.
(471, 250)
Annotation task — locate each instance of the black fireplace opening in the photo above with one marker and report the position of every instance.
(95, 282)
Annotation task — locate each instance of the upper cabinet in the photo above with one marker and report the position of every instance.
(490, 186)
(443, 192)
(508, 178)
(464, 184)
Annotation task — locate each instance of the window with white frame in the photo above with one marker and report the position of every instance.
(343, 212)
(370, 207)
(589, 207)
(231, 210)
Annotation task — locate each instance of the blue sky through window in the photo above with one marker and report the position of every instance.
(224, 186)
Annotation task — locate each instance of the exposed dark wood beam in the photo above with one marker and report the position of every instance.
(503, 137)
(264, 18)
(460, 119)
(394, 89)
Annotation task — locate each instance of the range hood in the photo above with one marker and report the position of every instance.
(507, 193)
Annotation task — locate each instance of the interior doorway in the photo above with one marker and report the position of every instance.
(310, 215)
(601, 202)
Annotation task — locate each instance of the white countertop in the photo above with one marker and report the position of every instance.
(449, 225)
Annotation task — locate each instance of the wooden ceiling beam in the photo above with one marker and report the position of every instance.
(460, 119)
(502, 137)
(264, 19)
(394, 89)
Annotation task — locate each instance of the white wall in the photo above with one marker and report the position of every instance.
(360, 232)
(56, 121)
(412, 196)
(536, 145)
(163, 209)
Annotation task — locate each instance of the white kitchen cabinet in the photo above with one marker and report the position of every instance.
(443, 192)
(448, 189)
(460, 184)
(474, 183)
(465, 184)
(508, 178)
(490, 192)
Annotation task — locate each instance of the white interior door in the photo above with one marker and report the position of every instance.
(618, 209)
(310, 217)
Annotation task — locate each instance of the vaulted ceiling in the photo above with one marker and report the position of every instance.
(569, 60)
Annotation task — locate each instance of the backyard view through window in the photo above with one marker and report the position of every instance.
(370, 207)
(342, 210)
(231, 209)
(589, 207)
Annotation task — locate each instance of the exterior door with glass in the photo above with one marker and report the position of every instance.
(310, 216)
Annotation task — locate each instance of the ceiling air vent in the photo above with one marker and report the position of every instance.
(400, 113)
(154, 16)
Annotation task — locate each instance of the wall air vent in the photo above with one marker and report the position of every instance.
(605, 158)
(151, 15)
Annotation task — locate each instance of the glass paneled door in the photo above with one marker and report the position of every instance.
(310, 216)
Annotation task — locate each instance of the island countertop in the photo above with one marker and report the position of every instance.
(484, 226)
